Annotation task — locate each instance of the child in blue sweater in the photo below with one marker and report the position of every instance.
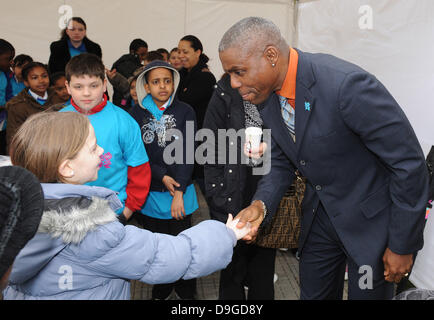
(124, 167)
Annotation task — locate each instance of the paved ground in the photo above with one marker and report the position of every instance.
(286, 287)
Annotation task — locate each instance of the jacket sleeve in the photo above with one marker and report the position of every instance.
(372, 113)
(273, 185)
(160, 258)
(139, 181)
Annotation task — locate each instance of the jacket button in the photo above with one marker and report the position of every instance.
(221, 184)
(302, 162)
(230, 170)
(229, 199)
(213, 185)
(222, 93)
(318, 188)
(231, 143)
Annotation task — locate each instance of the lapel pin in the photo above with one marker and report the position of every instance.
(306, 106)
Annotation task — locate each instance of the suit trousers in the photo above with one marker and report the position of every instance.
(323, 260)
(185, 289)
(251, 266)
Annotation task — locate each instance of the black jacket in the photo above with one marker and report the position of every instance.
(196, 88)
(59, 53)
(229, 187)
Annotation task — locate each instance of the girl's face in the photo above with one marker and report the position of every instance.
(174, 60)
(84, 167)
(38, 81)
(189, 57)
(76, 31)
(133, 92)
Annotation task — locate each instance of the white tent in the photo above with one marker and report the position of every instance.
(392, 39)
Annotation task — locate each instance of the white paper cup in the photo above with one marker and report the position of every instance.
(253, 138)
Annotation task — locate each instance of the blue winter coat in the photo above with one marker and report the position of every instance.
(81, 251)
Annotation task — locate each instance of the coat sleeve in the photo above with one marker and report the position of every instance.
(160, 258)
(372, 113)
(273, 185)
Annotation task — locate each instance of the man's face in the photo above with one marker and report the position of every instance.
(251, 74)
(87, 92)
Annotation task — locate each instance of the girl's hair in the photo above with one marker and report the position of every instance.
(30, 66)
(21, 59)
(196, 45)
(174, 49)
(63, 34)
(45, 140)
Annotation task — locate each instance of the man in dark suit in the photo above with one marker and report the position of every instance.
(366, 176)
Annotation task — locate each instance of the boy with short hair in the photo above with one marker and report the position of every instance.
(125, 167)
(172, 198)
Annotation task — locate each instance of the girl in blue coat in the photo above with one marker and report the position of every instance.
(81, 250)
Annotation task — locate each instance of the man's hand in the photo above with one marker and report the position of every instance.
(255, 153)
(253, 214)
(170, 184)
(396, 266)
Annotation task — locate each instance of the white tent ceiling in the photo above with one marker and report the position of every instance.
(392, 39)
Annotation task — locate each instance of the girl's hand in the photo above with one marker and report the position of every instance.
(177, 207)
(239, 232)
(170, 184)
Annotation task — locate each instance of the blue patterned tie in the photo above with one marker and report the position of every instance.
(288, 114)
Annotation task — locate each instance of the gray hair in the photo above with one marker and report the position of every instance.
(252, 31)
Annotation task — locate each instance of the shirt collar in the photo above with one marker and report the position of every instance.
(288, 87)
(36, 97)
(94, 110)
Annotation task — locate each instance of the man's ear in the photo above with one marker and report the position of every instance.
(65, 170)
(271, 54)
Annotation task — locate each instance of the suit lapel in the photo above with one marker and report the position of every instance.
(304, 100)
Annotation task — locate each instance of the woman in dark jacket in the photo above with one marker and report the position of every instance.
(230, 188)
(196, 86)
(73, 41)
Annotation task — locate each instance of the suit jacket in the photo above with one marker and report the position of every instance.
(59, 53)
(359, 154)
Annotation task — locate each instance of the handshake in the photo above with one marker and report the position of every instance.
(239, 232)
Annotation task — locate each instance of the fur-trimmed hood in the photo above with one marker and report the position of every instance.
(71, 211)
